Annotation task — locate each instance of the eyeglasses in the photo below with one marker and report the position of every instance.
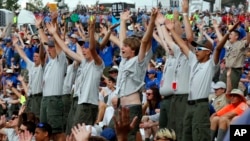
(201, 49)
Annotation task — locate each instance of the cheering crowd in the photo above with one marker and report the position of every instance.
(168, 76)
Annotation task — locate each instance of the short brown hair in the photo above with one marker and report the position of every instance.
(133, 43)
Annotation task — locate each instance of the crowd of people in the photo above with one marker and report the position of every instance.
(152, 76)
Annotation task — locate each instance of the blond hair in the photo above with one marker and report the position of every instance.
(165, 133)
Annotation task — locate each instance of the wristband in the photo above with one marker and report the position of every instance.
(184, 14)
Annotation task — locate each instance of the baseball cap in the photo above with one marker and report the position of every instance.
(109, 134)
(202, 43)
(151, 84)
(86, 45)
(74, 36)
(219, 84)
(9, 71)
(27, 42)
(113, 69)
(152, 72)
(50, 43)
(80, 41)
(35, 37)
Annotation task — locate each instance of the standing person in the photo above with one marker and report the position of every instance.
(88, 78)
(132, 69)
(175, 81)
(35, 78)
(196, 118)
(51, 110)
(67, 87)
(235, 56)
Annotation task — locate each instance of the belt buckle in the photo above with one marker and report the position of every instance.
(191, 102)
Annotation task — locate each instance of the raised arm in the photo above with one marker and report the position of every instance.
(92, 44)
(208, 38)
(187, 26)
(248, 33)
(42, 54)
(217, 31)
(81, 31)
(222, 43)
(157, 38)
(177, 23)
(24, 85)
(167, 38)
(39, 27)
(200, 27)
(123, 29)
(61, 44)
(177, 38)
(115, 40)
(19, 50)
(54, 16)
(107, 34)
(147, 36)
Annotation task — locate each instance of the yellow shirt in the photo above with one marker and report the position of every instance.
(22, 99)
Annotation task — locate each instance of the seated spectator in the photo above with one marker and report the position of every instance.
(43, 132)
(10, 128)
(222, 118)
(152, 78)
(163, 134)
(151, 110)
(218, 99)
(105, 97)
(113, 72)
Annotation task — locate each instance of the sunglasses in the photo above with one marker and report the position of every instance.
(148, 93)
(201, 49)
(234, 95)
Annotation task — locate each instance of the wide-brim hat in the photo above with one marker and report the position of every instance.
(237, 92)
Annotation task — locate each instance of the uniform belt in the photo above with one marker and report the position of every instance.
(167, 97)
(193, 102)
(35, 95)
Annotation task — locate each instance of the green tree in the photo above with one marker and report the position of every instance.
(11, 5)
(37, 3)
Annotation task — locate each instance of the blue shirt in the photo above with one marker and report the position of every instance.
(107, 55)
(242, 33)
(47, 19)
(72, 46)
(13, 79)
(222, 53)
(9, 53)
(29, 54)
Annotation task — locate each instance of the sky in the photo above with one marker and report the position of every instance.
(73, 3)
